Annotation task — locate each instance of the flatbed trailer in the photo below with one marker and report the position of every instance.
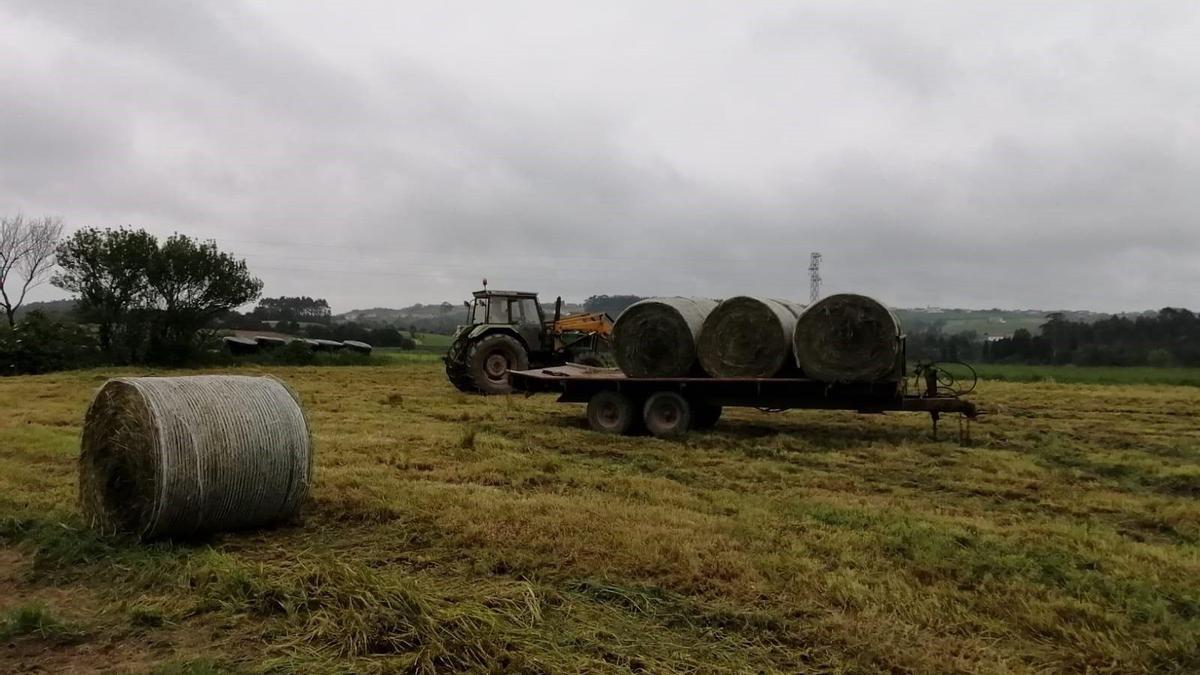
(671, 406)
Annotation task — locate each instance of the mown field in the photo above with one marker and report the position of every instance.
(1089, 374)
(449, 532)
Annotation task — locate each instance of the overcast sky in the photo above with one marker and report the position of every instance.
(1041, 154)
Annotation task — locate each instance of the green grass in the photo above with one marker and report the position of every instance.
(1089, 374)
(33, 619)
(413, 356)
(449, 532)
(434, 340)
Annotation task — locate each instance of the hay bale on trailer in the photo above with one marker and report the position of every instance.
(356, 346)
(848, 338)
(657, 337)
(179, 456)
(748, 337)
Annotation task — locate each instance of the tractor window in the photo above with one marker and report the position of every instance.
(529, 311)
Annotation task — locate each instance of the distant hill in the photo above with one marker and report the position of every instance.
(56, 308)
(985, 322)
(434, 318)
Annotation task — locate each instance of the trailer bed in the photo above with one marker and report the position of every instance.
(576, 383)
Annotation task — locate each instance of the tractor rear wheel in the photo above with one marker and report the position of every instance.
(490, 359)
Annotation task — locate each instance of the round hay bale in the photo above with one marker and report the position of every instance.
(179, 456)
(748, 337)
(657, 337)
(847, 338)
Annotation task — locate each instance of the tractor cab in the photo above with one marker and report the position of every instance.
(516, 309)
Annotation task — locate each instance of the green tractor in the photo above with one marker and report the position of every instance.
(507, 330)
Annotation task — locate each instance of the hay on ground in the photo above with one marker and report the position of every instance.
(179, 456)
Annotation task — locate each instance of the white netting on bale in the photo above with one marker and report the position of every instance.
(180, 456)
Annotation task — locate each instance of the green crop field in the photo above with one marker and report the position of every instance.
(449, 532)
(434, 340)
(1089, 374)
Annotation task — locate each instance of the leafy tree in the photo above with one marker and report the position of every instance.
(613, 305)
(107, 270)
(191, 283)
(151, 301)
(284, 308)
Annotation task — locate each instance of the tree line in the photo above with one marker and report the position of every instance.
(1170, 337)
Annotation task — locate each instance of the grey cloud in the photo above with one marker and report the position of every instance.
(937, 153)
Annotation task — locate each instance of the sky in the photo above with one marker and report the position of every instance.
(956, 154)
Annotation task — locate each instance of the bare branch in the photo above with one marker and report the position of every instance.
(27, 248)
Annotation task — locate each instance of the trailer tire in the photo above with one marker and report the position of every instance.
(705, 415)
(667, 414)
(612, 412)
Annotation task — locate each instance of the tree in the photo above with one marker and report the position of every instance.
(613, 305)
(191, 283)
(151, 301)
(107, 270)
(27, 250)
(284, 308)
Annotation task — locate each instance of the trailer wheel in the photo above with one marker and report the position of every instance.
(705, 415)
(667, 414)
(611, 412)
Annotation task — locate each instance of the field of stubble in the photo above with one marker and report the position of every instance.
(448, 532)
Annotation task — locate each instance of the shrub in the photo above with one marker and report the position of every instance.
(39, 344)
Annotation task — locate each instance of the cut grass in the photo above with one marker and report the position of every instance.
(450, 532)
(36, 620)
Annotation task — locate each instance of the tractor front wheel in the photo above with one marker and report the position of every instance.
(491, 358)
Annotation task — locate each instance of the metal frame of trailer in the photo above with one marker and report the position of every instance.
(703, 398)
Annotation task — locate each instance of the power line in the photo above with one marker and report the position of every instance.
(814, 277)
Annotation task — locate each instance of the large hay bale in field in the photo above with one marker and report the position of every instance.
(178, 456)
(748, 337)
(657, 337)
(847, 338)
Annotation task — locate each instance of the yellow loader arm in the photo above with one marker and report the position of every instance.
(591, 322)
